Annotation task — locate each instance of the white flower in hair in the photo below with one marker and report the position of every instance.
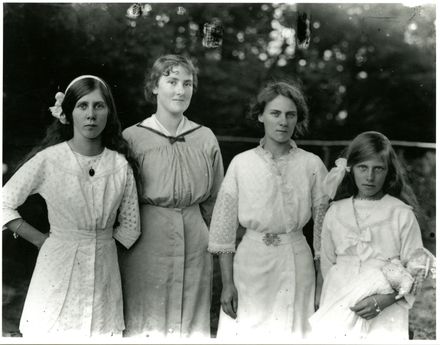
(57, 110)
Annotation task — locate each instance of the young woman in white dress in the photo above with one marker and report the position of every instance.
(370, 223)
(82, 172)
(272, 191)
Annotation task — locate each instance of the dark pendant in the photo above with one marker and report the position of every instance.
(91, 172)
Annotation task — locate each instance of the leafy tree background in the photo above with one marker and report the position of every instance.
(368, 67)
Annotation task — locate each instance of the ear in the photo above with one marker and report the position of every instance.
(260, 118)
(155, 90)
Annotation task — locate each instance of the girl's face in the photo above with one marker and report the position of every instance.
(174, 91)
(279, 118)
(90, 115)
(370, 177)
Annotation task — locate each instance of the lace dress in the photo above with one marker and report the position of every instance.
(75, 288)
(273, 265)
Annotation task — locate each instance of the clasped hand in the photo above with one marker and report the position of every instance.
(368, 308)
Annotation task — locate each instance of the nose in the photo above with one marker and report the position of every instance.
(91, 113)
(370, 175)
(179, 89)
(283, 120)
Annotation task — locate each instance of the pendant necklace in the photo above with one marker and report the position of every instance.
(87, 162)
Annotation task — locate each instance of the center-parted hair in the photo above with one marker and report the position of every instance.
(289, 90)
(83, 87)
(111, 135)
(369, 145)
(162, 67)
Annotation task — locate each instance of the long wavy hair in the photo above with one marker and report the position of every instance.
(290, 90)
(366, 146)
(111, 136)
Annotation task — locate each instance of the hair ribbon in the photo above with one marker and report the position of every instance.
(335, 177)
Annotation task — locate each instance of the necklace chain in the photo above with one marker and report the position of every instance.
(89, 161)
(356, 212)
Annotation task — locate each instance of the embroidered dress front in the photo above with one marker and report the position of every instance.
(273, 264)
(75, 288)
(351, 258)
(167, 274)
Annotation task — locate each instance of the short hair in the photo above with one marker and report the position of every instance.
(286, 89)
(162, 67)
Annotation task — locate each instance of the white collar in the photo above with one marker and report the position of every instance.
(153, 123)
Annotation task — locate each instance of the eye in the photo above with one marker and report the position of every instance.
(379, 169)
(100, 105)
(362, 167)
(275, 113)
(82, 106)
(189, 84)
(172, 82)
(291, 115)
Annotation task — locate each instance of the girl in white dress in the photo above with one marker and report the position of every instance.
(272, 191)
(82, 172)
(369, 224)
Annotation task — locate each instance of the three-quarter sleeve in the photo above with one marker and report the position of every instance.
(319, 205)
(128, 230)
(207, 206)
(410, 240)
(410, 234)
(328, 248)
(26, 181)
(224, 224)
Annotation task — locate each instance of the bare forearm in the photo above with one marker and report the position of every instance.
(226, 264)
(27, 231)
(385, 300)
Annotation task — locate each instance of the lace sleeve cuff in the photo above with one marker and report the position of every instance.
(407, 301)
(220, 249)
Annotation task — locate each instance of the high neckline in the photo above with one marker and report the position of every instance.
(270, 155)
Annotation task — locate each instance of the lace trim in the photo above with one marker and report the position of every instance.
(318, 218)
(224, 222)
(221, 251)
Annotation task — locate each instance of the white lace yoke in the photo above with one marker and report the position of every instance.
(269, 195)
